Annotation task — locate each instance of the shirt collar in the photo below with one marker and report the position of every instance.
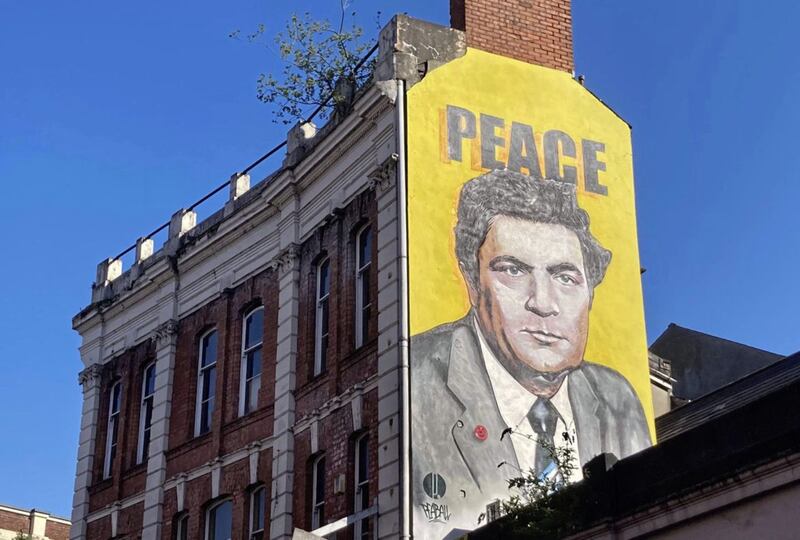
(514, 400)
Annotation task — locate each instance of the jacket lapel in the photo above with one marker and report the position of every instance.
(468, 381)
(584, 403)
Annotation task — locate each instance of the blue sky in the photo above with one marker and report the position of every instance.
(114, 115)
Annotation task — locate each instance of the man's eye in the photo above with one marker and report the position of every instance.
(566, 279)
(513, 271)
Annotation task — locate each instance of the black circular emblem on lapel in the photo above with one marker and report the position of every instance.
(434, 485)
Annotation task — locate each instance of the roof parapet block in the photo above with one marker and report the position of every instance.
(107, 271)
(144, 249)
(410, 48)
(240, 184)
(298, 141)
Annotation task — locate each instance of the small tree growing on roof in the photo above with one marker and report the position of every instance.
(322, 65)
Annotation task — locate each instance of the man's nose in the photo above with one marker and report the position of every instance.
(541, 297)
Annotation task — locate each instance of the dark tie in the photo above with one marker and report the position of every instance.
(543, 418)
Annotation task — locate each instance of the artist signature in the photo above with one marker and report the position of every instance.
(436, 513)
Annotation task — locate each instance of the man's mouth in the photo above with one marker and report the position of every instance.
(543, 337)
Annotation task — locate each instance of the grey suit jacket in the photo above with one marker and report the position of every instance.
(451, 396)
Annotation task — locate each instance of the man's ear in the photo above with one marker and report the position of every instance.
(472, 290)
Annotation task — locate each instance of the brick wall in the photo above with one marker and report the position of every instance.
(56, 531)
(234, 485)
(129, 524)
(337, 437)
(347, 365)
(127, 477)
(534, 31)
(228, 432)
(11, 521)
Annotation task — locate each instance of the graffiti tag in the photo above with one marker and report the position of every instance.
(436, 513)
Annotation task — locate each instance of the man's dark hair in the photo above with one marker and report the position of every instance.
(507, 193)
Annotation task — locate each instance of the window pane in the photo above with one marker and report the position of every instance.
(324, 318)
(363, 459)
(254, 328)
(252, 388)
(219, 526)
(324, 279)
(257, 511)
(209, 382)
(208, 351)
(254, 363)
(148, 421)
(323, 363)
(116, 392)
(319, 488)
(183, 528)
(114, 425)
(364, 247)
(150, 380)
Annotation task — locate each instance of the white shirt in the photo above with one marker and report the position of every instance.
(515, 401)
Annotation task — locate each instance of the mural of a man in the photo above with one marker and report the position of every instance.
(491, 391)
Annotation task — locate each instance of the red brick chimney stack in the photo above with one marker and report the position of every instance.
(534, 31)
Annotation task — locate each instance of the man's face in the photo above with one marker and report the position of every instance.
(533, 299)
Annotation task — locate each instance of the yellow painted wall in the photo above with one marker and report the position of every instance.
(545, 99)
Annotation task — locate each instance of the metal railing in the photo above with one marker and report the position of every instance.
(254, 164)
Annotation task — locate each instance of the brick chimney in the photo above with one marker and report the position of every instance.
(534, 31)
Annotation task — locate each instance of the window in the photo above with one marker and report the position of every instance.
(318, 493)
(146, 412)
(363, 298)
(257, 499)
(321, 330)
(182, 528)
(218, 521)
(252, 339)
(361, 483)
(114, 397)
(206, 382)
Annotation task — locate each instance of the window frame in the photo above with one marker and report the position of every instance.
(142, 448)
(252, 533)
(182, 527)
(112, 428)
(362, 325)
(201, 373)
(211, 509)
(321, 307)
(358, 483)
(244, 409)
(317, 506)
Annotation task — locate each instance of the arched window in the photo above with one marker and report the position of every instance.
(114, 398)
(363, 298)
(146, 413)
(250, 379)
(321, 319)
(361, 484)
(206, 382)
(257, 507)
(218, 521)
(318, 493)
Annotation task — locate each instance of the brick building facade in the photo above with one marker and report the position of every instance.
(34, 524)
(248, 373)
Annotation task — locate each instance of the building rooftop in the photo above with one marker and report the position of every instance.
(700, 363)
